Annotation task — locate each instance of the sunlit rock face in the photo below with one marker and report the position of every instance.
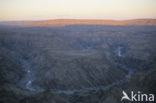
(77, 57)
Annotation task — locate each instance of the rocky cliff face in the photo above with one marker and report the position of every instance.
(75, 64)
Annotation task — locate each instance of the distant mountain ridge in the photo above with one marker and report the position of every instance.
(64, 22)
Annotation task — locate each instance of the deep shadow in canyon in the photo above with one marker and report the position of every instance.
(76, 63)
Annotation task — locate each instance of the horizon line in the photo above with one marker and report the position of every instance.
(75, 19)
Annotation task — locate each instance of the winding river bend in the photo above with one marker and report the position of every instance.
(27, 81)
(119, 53)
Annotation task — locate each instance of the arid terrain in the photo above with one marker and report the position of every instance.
(65, 22)
(76, 61)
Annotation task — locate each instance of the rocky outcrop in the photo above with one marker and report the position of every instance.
(10, 71)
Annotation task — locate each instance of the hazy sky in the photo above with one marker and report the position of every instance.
(77, 9)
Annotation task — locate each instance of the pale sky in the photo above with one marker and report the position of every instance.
(76, 9)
